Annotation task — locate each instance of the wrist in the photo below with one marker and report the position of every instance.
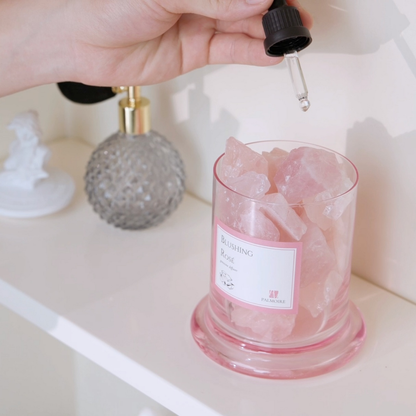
(33, 45)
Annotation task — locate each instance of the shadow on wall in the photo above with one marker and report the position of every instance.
(197, 123)
(354, 26)
(359, 27)
(385, 231)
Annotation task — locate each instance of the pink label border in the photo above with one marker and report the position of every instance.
(253, 240)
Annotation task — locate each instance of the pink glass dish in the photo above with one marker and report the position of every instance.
(317, 328)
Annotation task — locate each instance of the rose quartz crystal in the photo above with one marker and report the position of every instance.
(244, 216)
(321, 278)
(324, 207)
(315, 211)
(306, 325)
(239, 159)
(254, 223)
(339, 238)
(250, 184)
(306, 172)
(320, 293)
(336, 207)
(264, 326)
(275, 158)
(229, 205)
(317, 257)
(283, 216)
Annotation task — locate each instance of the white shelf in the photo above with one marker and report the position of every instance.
(124, 300)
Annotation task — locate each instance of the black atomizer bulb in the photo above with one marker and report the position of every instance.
(286, 36)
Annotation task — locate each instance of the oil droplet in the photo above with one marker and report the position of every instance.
(305, 105)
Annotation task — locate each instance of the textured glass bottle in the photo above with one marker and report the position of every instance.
(135, 179)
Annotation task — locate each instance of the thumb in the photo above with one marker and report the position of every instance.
(229, 10)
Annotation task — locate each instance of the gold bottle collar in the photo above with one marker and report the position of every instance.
(134, 111)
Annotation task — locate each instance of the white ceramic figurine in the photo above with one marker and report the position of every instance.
(27, 188)
(24, 166)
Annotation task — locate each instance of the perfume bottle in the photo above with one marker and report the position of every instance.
(135, 179)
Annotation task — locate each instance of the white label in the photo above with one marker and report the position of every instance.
(257, 274)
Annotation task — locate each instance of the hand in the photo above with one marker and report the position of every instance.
(136, 42)
(150, 41)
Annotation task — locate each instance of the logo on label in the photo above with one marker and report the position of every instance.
(273, 294)
(226, 280)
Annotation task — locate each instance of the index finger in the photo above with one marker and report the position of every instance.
(229, 10)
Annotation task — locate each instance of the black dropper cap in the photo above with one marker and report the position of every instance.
(284, 30)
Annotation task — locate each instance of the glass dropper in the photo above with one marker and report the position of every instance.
(285, 36)
(298, 80)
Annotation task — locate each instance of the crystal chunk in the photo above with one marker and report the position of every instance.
(239, 159)
(267, 327)
(283, 216)
(306, 172)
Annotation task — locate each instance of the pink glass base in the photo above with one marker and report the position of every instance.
(278, 363)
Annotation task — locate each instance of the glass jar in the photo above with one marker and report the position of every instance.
(278, 305)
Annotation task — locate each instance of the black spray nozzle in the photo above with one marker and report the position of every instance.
(284, 30)
(85, 94)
